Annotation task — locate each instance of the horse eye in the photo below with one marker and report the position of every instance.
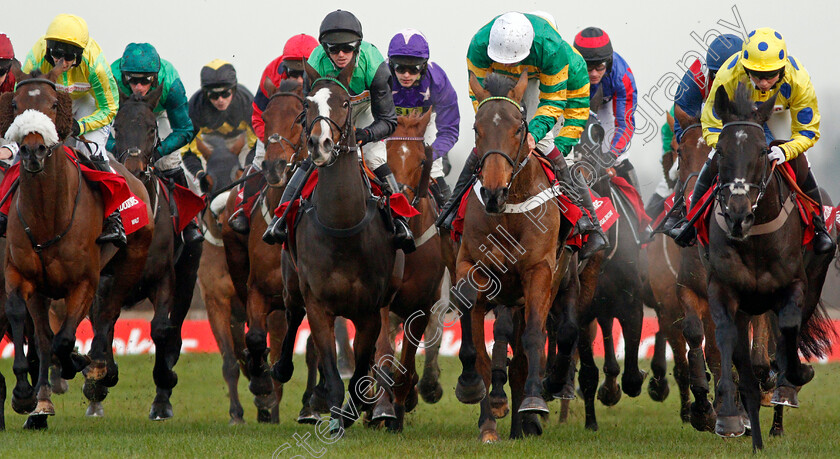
(346, 104)
(14, 105)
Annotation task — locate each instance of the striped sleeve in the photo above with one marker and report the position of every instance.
(624, 108)
(576, 113)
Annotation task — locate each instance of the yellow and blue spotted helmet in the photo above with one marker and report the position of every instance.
(764, 50)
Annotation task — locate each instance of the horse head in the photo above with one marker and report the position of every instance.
(284, 118)
(742, 157)
(36, 116)
(500, 135)
(328, 115)
(692, 149)
(136, 132)
(407, 155)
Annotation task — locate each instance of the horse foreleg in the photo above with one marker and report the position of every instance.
(470, 388)
(364, 347)
(566, 338)
(38, 309)
(322, 326)
(429, 386)
(610, 392)
(255, 341)
(536, 284)
(284, 367)
(103, 371)
(502, 335)
(405, 392)
(588, 376)
(631, 328)
(161, 330)
(383, 410)
(23, 395)
(790, 324)
(723, 307)
(345, 352)
(277, 327)
(219, 316)
(748, 385)
(702, 414)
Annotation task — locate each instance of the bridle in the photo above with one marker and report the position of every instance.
(340, 146)
(137, 152)
(514, 163)
(740, 186)
(414, 189)
(51, 84)
(275, 137)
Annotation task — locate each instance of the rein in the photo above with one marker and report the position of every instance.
(517, 167)
(740, 186)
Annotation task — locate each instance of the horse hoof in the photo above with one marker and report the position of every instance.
(411, 400)
(161, 411)
(609, 396)
(702, 418)
(534, 405)
(35, 422)
(59, 384)
(383, 411)
(767, 398)
(95, 410)
(786, 396)
(236, 421)
(488, 436)
(470, 393)
(531, 425)
(729, 426)
(593, 426)
(266, 401)
(95, 371)
(263, 416)
(345, 369)
(567, 393)
(43, 408)
(261, 385)
(308, 416)
(430, 390)
(777, 432)
(803, 376)
(658, 389)
(24, 405)
(94, 391)
(633, 385)
(499, 405)
(282, 373)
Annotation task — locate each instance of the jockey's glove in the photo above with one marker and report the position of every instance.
(77, 128)
(363, 136)
(777, 154)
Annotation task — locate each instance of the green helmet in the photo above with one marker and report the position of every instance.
(140, 58)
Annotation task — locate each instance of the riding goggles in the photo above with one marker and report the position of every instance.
(335, 48)
(58, 54)
(410, 69)
(294, 73)
(768, 75)
(139, 79)
(214, 95)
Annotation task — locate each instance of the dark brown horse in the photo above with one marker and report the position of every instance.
(507, 258)
(342, 256)
(169, 277)
(750, 274)
(52, 251)
(422, 274)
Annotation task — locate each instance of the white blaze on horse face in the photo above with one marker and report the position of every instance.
(496, 119)
(700, 141)
(321, 100)
(739, 186)
(740, 136)
(34, 93)
(404, 152)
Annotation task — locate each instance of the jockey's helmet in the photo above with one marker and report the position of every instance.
(721, 49)
(511, 37)
(218, 75)
(595, 46)
(764, 51)
(68, 28)
(340, 27)
(408, 47)
(139, 59)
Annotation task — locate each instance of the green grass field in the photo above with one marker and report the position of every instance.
(635, 427)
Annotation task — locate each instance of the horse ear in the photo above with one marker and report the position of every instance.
(762, 114)
(16, 71)
(597, 99)
(270, 89)
(682, 117)
(424, 120)
(123, 97)
(311, 72)
(347, 73)
(7, 115)
(477, 89)
(518, 91)
(54, 74)
(153, 97)
(722, 103)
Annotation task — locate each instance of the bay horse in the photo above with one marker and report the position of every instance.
(750, 274)
(611, 287)
(522, 272)
(342, 257)
(52, 250)
(169, 277)
(411, 163)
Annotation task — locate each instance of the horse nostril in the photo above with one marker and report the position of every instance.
(328, 144)
(312, 143)
(484, 194)
(504, 192)
(748, 220)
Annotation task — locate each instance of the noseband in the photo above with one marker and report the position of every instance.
(416, 188)
(515, 164)
(340, 145)
(741, 186)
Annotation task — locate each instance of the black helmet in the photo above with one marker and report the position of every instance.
(340, 27)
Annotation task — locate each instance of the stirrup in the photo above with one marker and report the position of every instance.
(402, 236)
(276, 232)
(239, 222)
(684, 234)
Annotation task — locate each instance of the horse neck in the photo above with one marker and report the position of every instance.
(51, 193)
(526, 183)
(340, 196)
(774, 198)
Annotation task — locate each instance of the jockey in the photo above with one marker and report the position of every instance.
(139, 70)
(513, 43)
(88, 80)
(609, 72)
(289, 65)
(765, 61)
(693, 91)
(373, 107)
(419, 86)
(221, 108)
(7, 84)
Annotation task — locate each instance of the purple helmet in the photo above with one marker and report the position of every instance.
(409, 46)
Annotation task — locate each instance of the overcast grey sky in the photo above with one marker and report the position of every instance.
(653, 37)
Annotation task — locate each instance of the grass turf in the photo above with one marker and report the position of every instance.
(635, 427)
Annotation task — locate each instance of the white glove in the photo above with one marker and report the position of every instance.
(674, 172)
(777, 154)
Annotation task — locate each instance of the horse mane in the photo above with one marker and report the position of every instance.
(741, 106)
(498, 85)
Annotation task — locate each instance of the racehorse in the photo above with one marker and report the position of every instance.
(52, 250)
(169, 277)
(611, 286)
(341, 258)
(411, 163)
(523, 272)
(750, 274)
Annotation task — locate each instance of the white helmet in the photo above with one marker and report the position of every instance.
(510, 38)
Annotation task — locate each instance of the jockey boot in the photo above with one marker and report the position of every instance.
(626, 171)
(403, 238)
(240, 220)
(191, 232)
(450, 210)
(277, 233)
(440, 190)
(822, 240)
(112, 229)
(4, 220)
(655, 206)
(580, 195)
(677, 225)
